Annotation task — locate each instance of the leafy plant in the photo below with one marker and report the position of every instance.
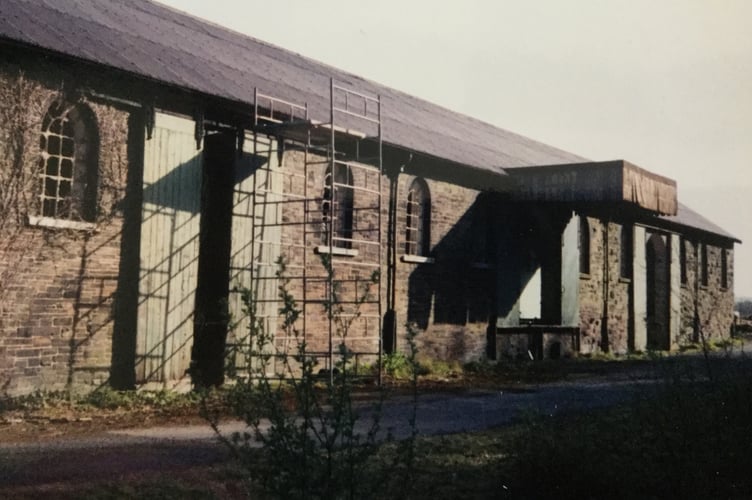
(396, 365)
(314, 440)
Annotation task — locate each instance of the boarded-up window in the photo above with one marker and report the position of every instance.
(418, 227)
(683, 260)
(703, 264)
(584, 238)
(625, 254)
(68, 166)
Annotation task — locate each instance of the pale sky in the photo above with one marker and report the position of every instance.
(664, 84)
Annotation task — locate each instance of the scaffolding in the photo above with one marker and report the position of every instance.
(320, 212)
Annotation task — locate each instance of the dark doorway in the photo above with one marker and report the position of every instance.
(658, 287)
(211, 315)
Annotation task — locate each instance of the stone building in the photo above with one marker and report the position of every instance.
(153, 165)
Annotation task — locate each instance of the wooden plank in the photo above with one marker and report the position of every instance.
(675, 293)
(610, 181)
(570, 273)
(169, 250)
(639, 290)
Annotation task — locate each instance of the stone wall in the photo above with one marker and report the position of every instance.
(448, 298)
(604, 278)
(706, 310)
(353, 263)
(712, 302)
(57, 285)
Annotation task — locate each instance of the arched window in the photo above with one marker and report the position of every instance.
(68, 164)
(418, 228)
(337, 206)
(584, 236)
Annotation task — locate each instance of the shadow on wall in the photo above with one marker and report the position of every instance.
(458, 287)
(172, 304)
(125, 308)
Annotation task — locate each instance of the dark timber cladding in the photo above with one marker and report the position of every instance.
(159, 43)
(611, 181)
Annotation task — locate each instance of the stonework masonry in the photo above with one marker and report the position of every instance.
(449, 298)
(604, 293)
(446, 296)
(706, 309)
(57, 285)
(68, 292)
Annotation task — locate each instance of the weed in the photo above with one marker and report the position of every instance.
(314, 440)
(396, 365)
(107, 398)
(440, 368)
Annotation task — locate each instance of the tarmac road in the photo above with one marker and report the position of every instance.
(114, 454)
(110, 455)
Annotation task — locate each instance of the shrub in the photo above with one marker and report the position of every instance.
(315, 441)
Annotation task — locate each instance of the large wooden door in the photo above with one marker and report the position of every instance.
(169, 248)
(657, 255)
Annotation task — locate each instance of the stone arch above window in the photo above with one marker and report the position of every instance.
(337, 206)
(418, 219)
(68, 163)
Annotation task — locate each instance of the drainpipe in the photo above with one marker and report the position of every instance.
(604, 319)
(698, 270)
(389, 329)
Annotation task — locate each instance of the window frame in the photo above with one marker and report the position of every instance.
(338, 202)
(68, 167)
(418, 219)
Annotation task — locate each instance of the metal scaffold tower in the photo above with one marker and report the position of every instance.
(318, 209)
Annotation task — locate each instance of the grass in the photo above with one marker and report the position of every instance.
(687, 435)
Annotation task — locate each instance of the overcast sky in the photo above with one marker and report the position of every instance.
(664, 84)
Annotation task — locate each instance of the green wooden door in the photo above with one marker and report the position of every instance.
(169, 251)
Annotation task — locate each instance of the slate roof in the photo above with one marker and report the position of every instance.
(158, 42)
(687, 217)
(163, 44)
